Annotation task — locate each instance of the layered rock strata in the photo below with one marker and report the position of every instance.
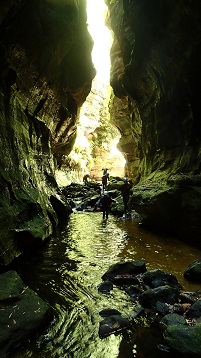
(45, 76)
(155, 76)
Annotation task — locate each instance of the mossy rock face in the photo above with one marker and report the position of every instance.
(184, 339)
(162, 141)
(172, 319)
(174, 210)
(44, 82)
(23, 312)
(158, 121)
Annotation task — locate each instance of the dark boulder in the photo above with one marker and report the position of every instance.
(195, 310)
(82, 196)
(125, 279)
(156, 278)
(172, 319)
(23, 312)
(106, 312)
(193, 271)
(105, 287)
(164, 294)
(124, 268)
(162, 308)
(113, 325)
(184, 339)
(134, 291)
(188, 297)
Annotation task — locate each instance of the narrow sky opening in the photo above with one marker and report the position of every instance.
(96, 12)
(102, 37)
(96, 107)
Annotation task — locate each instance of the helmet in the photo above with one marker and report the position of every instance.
(105, 192)
(125, 180)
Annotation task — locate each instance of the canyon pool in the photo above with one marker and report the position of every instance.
(66, 272)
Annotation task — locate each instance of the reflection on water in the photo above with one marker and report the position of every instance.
(66, 274)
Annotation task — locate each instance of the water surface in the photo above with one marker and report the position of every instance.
(67, 271)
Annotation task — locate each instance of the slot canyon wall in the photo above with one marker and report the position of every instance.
(155, 75)
(45, 76)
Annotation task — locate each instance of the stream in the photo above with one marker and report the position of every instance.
(67, 270)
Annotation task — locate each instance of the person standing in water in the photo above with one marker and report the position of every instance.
(86, 179)
(125, 192)
(104, 169)
(105, 202)
(105, 178)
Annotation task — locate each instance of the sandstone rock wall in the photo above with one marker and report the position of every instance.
(155, 75)
(45, 76)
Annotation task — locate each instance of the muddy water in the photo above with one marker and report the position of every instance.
(66, 274)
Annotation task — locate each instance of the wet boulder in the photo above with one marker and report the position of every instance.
(23, 312)
(134, 291)
(82, 196)
(124, 269)
(74, 190)
(113, 193)
(180, 308)
(106, 312)
(184, 339)
(156, 278)
(105, 287)
(171, 319)
(176, 308)
(138, 310)
(117, 207)
(162, 308)
(92, 200)
(195, 310)
(125, 279)
(113, 325)
(92, 184)
(193, 271)
(115, 184)
(165, 294)
(188, 297)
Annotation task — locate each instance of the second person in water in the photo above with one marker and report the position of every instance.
(104, 203)
(125, 192)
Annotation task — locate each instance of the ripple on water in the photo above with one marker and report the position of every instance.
(68, 270)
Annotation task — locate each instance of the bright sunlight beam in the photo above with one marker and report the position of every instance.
(96, 12)
(95, 107)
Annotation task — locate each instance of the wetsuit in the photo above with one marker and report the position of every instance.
(125, 191)
(105, 203)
